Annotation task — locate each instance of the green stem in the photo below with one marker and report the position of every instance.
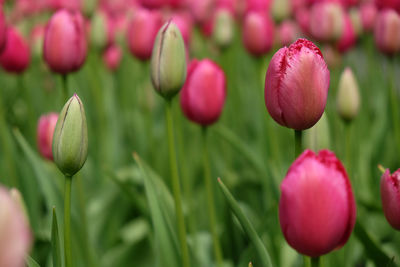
(67, 222)
(393, 105)
(315, 262)
(348, 149)
(210, 201)
(297, 143)
(176, 186)
(65, 87)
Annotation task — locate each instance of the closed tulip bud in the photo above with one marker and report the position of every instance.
(99, 30)
(15, 235)
(142, 32)
(112, 57)
(168, 61)
(65, 47)
(390, 195)
(223, 28)
(70, 141)
(348, 38)
(204, 92)
(281, 9)
(326, 21)
(318, 137)
(348, 96)
(387, 31)
(16, 55)
(45, 131)
(317, 211)
(368, 13)
(296, 85)
(258, 33)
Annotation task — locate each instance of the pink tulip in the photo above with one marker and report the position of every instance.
(16, 55)
(368, 14)
(388, 4)
(142, 32)
(65, 46)
(262, 6)
(302, 16)
(390, 195)
(203, 94)
(73, 5)
(317, 211)
(45, 130)
(258, 33)
(326, 21)
(185, 25)
(296, 85)
(201, 10)
(112, 57)
(348, 38)
(387, 31)
(3, 30)
(15, 235)
(288, 32)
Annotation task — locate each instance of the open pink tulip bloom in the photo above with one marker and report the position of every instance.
(317, 211)
(296, 85)
(390, 195)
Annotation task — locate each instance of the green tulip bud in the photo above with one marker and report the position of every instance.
(168, 61)
(70, 140)
(348, 96)
(318, 137)
(355, 18)
(88, 7)
(223, 28)
(98, 30)
(280, 9)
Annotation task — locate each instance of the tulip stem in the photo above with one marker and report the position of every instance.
(210, 201)
(67, 221)
(297, 143)
(176, 186)
(315, 262)
(393, 98)
(65, 87)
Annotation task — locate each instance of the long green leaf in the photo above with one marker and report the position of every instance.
(31, 262)
(55, 241)
(247, 226)
(168, 255)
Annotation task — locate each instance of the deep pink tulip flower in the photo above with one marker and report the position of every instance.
(112, 57)
(390, 195)
(3, 30)
(387, 31)
(348, 38)
(203, 94)
(317, 210)
(296, 85)
(388, 4)
(16, 54)
(15, 235)
(142, 32)
(45, 129)
(258, 33)
(65, 45)
(368, 13)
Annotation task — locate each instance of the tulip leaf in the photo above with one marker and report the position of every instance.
(31, 262)
(168, 253)
(373, 251)
(55, 241)
(247, 226)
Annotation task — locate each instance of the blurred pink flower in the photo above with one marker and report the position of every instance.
(45, 129)
(16, 54)
(390, 195)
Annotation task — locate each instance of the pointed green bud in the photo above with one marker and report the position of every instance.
(223, 28)
(348, 96)
(98, 30)
(70, 140)
(318, 137)
(168, 61)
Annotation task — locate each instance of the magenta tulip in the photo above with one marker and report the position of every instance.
(317, 210)
(142, 32)
(65, 46)
(390, 195)
(3, 30)
(112, 57)
(258, 33)
(388, 4)
(15, 235)
(203, 94)
(368, 13)
(296, 85)
(16, 55)
(45, 129)
(348, 38)
(387, 31)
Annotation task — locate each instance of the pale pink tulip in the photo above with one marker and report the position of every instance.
(317, 211)
(203, 94)
(45, 129)
(296, 85)
(326, 21)
(387, 31)
(65, 46)
(112, 57)
(390, 195)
